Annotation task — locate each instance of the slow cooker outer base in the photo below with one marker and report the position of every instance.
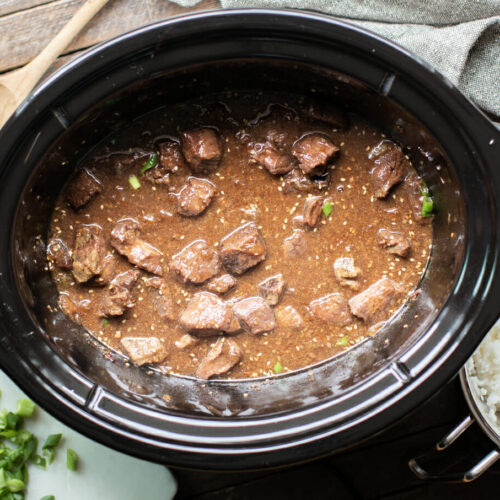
(75, 400)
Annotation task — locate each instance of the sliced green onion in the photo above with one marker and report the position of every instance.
(134, 182)
(13, 421)
(52, 441)
(278, 368)
(327, 208)
(39, 460)
(25, 407)
(424, 190)
(105, 323)
(71, 459)
(14, 460)
(427, 206)
(15, 485)
(342, 342)
(152, 162)
(48, 497)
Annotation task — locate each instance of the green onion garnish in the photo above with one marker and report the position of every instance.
(71, 459)
(342, 342)
(152, 162)
(48, 497)
(105, 323)
(278, 368)
(25, 408)
(134, 182)
(427, 202)
(427, 206)
(14, 485)
(52, 441)
(18, 448)
(327, 208)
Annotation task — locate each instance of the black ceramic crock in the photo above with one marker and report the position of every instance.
(292, 417)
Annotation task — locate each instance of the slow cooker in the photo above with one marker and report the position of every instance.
(245, 424)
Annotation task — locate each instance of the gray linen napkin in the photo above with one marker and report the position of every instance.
(461, 38)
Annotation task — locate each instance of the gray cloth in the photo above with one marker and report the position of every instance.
(461, 38)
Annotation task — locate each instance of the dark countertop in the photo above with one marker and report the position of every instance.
(377, 468)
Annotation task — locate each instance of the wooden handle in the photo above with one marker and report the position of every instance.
(33, 71)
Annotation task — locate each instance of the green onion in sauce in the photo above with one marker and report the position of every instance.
(134, 182)
(327, 208)
(427, 202)
(342, 342)
(278, 368)
(152, 162)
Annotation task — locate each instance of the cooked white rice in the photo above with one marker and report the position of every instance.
(484, 372)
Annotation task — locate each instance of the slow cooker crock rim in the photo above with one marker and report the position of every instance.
(93, 424)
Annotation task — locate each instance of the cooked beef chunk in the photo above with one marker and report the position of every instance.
(390, 167)
(59, 254)
(299, 182)
(119, 297)
(144, 350)
(346, 272)
(69, 307)
(270, 157)
(125, 238)
(242, 249)
(201, 149)
(206, 314)
(314, 152)
(223, 356)
(222, 284)
(255, 315)
(395, 242)
(186, 341)
(284, 134)
(82, 189)
(332, 309)
(295, 246)
(413, 186)
(162, 298)
(195, 263)
(125, 280)
(170, 160)
(194, 197)
(89, 252)
(313, 208)
(376, 299)
(322, 110)
(272, 289)
(170, 156)
(108, 270)
(289, 317)
(116, 303)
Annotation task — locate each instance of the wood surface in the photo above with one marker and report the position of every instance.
(26, 32)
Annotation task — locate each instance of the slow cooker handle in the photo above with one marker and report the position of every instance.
(464, 477)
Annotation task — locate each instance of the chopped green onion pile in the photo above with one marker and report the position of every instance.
(278, 368)
(134, 182)
(427, 202)
(327, 208)
(18, 449)
(152, 162)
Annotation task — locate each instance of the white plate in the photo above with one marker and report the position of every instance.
(102, 473)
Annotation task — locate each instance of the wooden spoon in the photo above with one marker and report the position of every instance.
(16, 86)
